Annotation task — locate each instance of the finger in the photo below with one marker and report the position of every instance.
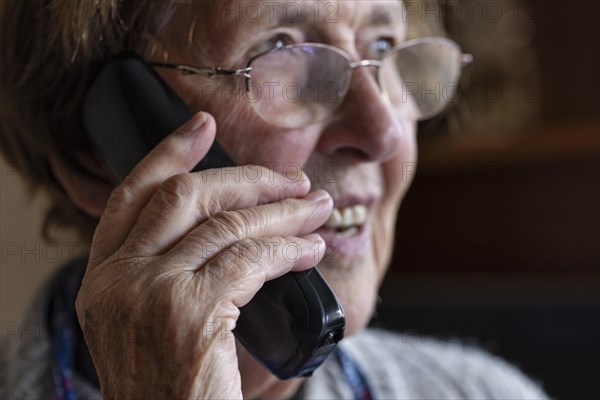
(238, 273)
(288, 217)
(185, 201)
(177, 153)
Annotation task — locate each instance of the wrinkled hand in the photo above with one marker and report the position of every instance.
(177, 252)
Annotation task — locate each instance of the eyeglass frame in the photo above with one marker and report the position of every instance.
(210, 72)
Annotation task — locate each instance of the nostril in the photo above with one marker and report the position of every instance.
(352, 153)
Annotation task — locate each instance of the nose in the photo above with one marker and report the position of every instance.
(364, 128)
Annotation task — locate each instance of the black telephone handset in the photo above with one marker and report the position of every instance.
(294, 322)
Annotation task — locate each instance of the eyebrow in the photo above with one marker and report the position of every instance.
(382, 16)
(280, 20)
(379, 16)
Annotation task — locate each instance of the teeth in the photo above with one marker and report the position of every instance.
(347, 217)
(335, 219)
(360, 214)
(348, 232)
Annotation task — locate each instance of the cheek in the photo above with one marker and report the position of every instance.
(242, 133)
(398, 174)
(239, 130)
(399, 171)
(250, 140)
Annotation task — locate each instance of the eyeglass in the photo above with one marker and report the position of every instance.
(302, 84)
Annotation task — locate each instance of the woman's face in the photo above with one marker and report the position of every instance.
(363, 156)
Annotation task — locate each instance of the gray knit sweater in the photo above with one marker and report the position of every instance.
(409, 367)
(395, 367)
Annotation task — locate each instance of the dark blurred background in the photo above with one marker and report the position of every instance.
(498, 240)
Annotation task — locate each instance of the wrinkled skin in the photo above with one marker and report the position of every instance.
(158, 302)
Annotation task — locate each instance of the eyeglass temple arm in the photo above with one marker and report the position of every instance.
(206, 72)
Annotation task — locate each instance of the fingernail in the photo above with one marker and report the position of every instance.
(316, 239)
(317, 196)
(194, 123)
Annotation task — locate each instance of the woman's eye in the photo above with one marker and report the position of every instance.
(274, 42)
(378, 48)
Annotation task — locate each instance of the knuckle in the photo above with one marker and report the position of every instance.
(253, 217)
(248, 256)
(121, 197)
(291, 208)
(234, 222)
(250, 249)
(177, 191)
(240, 264)
(135, 245)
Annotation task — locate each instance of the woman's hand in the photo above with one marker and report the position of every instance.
(174, 257)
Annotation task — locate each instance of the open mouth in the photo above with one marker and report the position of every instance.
(346, 221)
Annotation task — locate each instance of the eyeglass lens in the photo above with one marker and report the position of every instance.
(299, 85)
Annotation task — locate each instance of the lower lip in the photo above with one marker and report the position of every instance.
(349, 247)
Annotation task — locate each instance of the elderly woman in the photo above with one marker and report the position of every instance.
(149, 288)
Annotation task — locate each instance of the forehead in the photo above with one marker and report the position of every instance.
(299, 11)
(221, 15)
(215, 30)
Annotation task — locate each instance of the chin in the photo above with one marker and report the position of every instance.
(358, 314)
(355, 284)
